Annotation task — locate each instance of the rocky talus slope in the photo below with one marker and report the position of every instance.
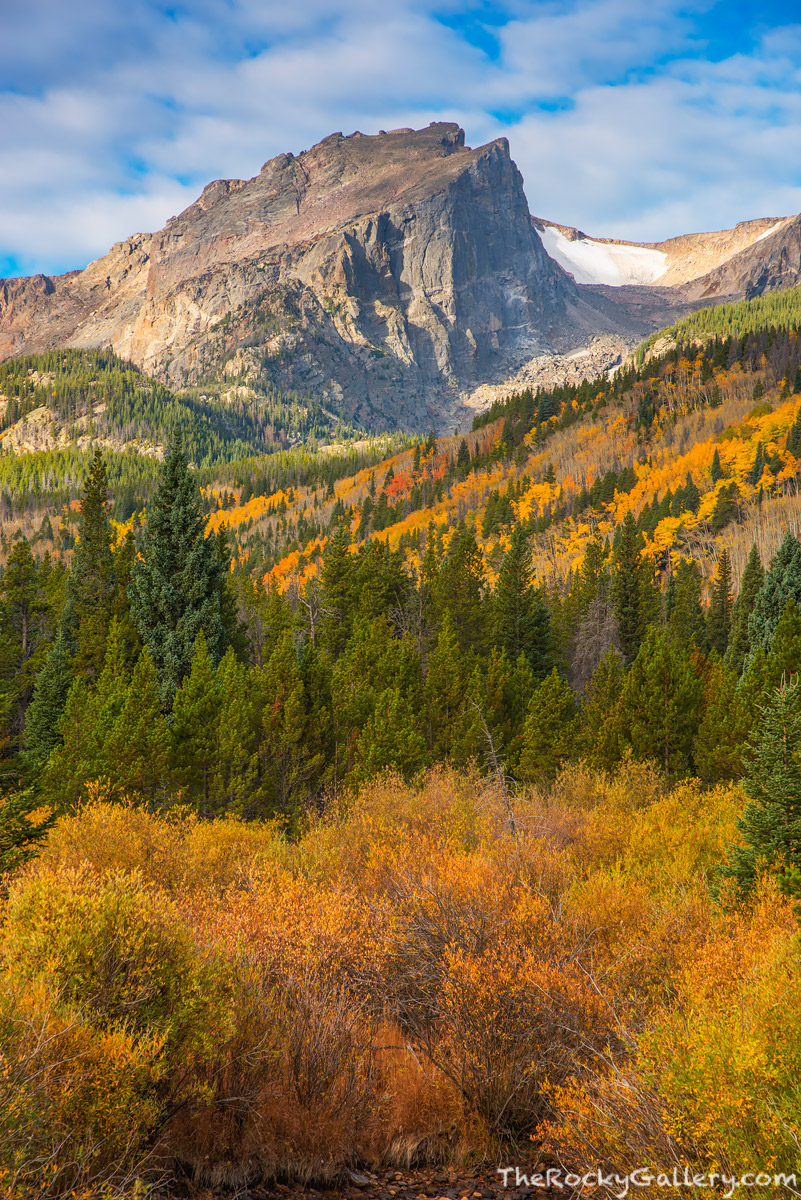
(388, 274)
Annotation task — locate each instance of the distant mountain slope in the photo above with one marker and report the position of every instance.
(383, 273)
(755, 256)
(702, 446)
(770, 263)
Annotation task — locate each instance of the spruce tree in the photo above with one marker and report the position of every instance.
(686, 617)
(758, 467)
(724, 726)
(782, 583)
(784, 657)
(235, 630)
(726, 507)
(444, 691)
(719, 616)
(176, 585)
(794, 436)
(494, 694)
(379, 582)
(635, 599)
(128, 634)
(740, 638)
(521, 622)
(137, 747)
(90, 603)
(49, 697)
(771, 822)
(463, 459)
(91, 590)
(338, 599)
(716, 470)
(661, 703)
(550, 732)
(692, 497)
(237, 737)
(23, 824)
(193, 730)
(600, 730)
(596, 628)
(284, 766)
(23, 627)
(459, 590)
(390, 739)
(84, 728)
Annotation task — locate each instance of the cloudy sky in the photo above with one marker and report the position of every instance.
(628, 118)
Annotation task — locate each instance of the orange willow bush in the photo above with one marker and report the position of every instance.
(422, 974)
(712, 1080)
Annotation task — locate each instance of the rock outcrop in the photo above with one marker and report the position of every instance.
(771, 261)
(388, 273)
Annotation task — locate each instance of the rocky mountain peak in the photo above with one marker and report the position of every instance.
(387, 272)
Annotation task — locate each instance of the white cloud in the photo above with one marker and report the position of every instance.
(115, 116)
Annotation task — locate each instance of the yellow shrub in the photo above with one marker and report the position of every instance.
(712, 1079)
(120, 951)
(78, 1104)
(413, 977)
(683, 834)
(173, 852)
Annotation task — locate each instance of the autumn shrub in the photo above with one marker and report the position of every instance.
(156, 1045)
(120, 952)
(638, 938)
(422, 1113)
(684, 834)
(632, 785)
(727, 1056)
(296, 1094)
(510, 1021)
(111, 1008)
(711, 1080)
(174, 851)
(78, 1105)
(589, 812)
(487, 984)
(357, 835)
(423, 972)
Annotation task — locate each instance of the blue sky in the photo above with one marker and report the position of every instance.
(628, 118)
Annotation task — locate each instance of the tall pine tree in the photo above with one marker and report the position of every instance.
(635, 598)
(771, 822)
(782, 583)
(661, 702)
(91, 598)
(740, 638)
(719, 616)
(521, 622)
(176, 586)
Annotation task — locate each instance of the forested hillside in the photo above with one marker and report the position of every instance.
(474, 752)
(509, 598)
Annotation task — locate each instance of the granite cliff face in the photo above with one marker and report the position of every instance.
(389, 274)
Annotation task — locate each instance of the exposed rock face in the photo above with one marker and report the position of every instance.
(390, 273)
(770, 262)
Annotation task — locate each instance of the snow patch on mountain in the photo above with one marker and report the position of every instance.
(602, 262)
(772, 229)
